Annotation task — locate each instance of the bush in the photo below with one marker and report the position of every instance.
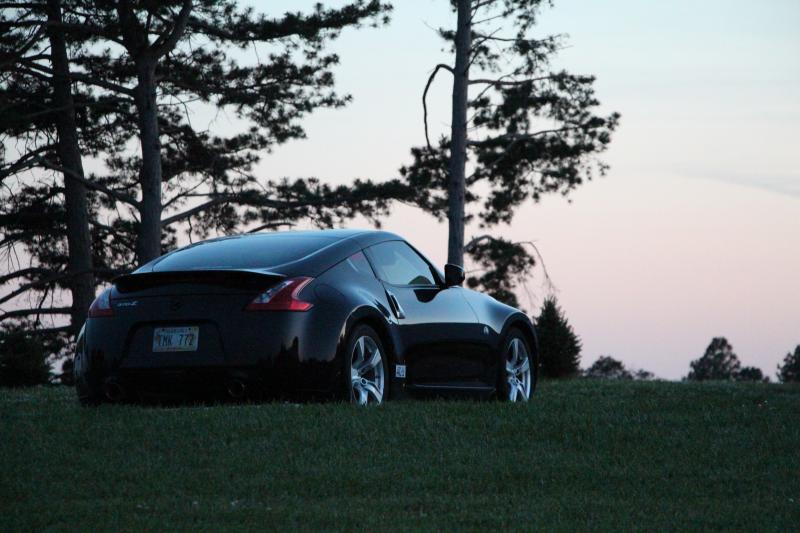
(718, 363)
(789, 372)
(559, 346)
(606, 367)
(750, 373)
(23, 360)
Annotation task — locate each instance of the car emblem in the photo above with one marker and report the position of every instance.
(174, 305)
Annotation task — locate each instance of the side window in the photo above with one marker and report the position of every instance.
(359, 263)
(397, 263)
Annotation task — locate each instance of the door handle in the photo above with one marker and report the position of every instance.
(398, 311)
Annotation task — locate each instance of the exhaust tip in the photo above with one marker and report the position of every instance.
(236, 389)
(113, 390)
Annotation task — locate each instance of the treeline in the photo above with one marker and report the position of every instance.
(25, 361)
(560, 357)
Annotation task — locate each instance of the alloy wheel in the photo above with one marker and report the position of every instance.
(367, 376)
(518, 371)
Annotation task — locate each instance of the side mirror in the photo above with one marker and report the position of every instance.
(453, 275)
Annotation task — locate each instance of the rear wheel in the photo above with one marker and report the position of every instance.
(86, 385)
(517, 379)
(366, 367)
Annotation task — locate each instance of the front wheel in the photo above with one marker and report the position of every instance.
(517, 379)
(366, 366)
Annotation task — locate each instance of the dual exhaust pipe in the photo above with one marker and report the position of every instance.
(113, 390)
(236, 389)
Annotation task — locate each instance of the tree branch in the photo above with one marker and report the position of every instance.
(39, 311)
(89, 183)
(25, 161)
(24, 272)
(165, 43)
(194, 210)
(515, 137)
(501, 82)
(425, 95)
(477, 5)
(49, 280)
(78, 76)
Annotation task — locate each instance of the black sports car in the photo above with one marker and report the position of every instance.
(340, 313)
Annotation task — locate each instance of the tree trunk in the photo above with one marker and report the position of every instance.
(456, 186)
(148, 239)
(79, 241)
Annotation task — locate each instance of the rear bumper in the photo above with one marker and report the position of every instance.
(212, 382)
(269, 353)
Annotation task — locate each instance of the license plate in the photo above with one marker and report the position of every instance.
(182, 339)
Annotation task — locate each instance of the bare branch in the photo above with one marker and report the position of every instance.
(271, 225)
(194, 210)
(486, 237)
(38, 311)
(501, 82)
(515, 137)
(425, 95)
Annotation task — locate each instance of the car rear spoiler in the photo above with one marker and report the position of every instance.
(229, 278)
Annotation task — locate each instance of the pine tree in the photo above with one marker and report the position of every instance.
(789, 371)
(136, 72)
(719, 362)
(559, 346)
(42, 114)
(524, 131)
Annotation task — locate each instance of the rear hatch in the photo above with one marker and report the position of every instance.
(186, 318)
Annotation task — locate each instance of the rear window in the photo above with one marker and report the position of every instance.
(251, 251)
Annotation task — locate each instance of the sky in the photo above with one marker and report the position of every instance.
(695, 231)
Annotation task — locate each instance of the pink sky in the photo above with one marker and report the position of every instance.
(694, 233)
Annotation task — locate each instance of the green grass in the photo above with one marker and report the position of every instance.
(581, 455)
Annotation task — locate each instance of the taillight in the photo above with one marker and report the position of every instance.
(282, 297)
(101, 306)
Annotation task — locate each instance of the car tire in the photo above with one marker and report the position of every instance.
(366, 367)
(87, 387)
(517, 368)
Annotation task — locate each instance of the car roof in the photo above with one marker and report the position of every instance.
(335, 246)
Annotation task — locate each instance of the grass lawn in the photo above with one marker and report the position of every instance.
(582, 454)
